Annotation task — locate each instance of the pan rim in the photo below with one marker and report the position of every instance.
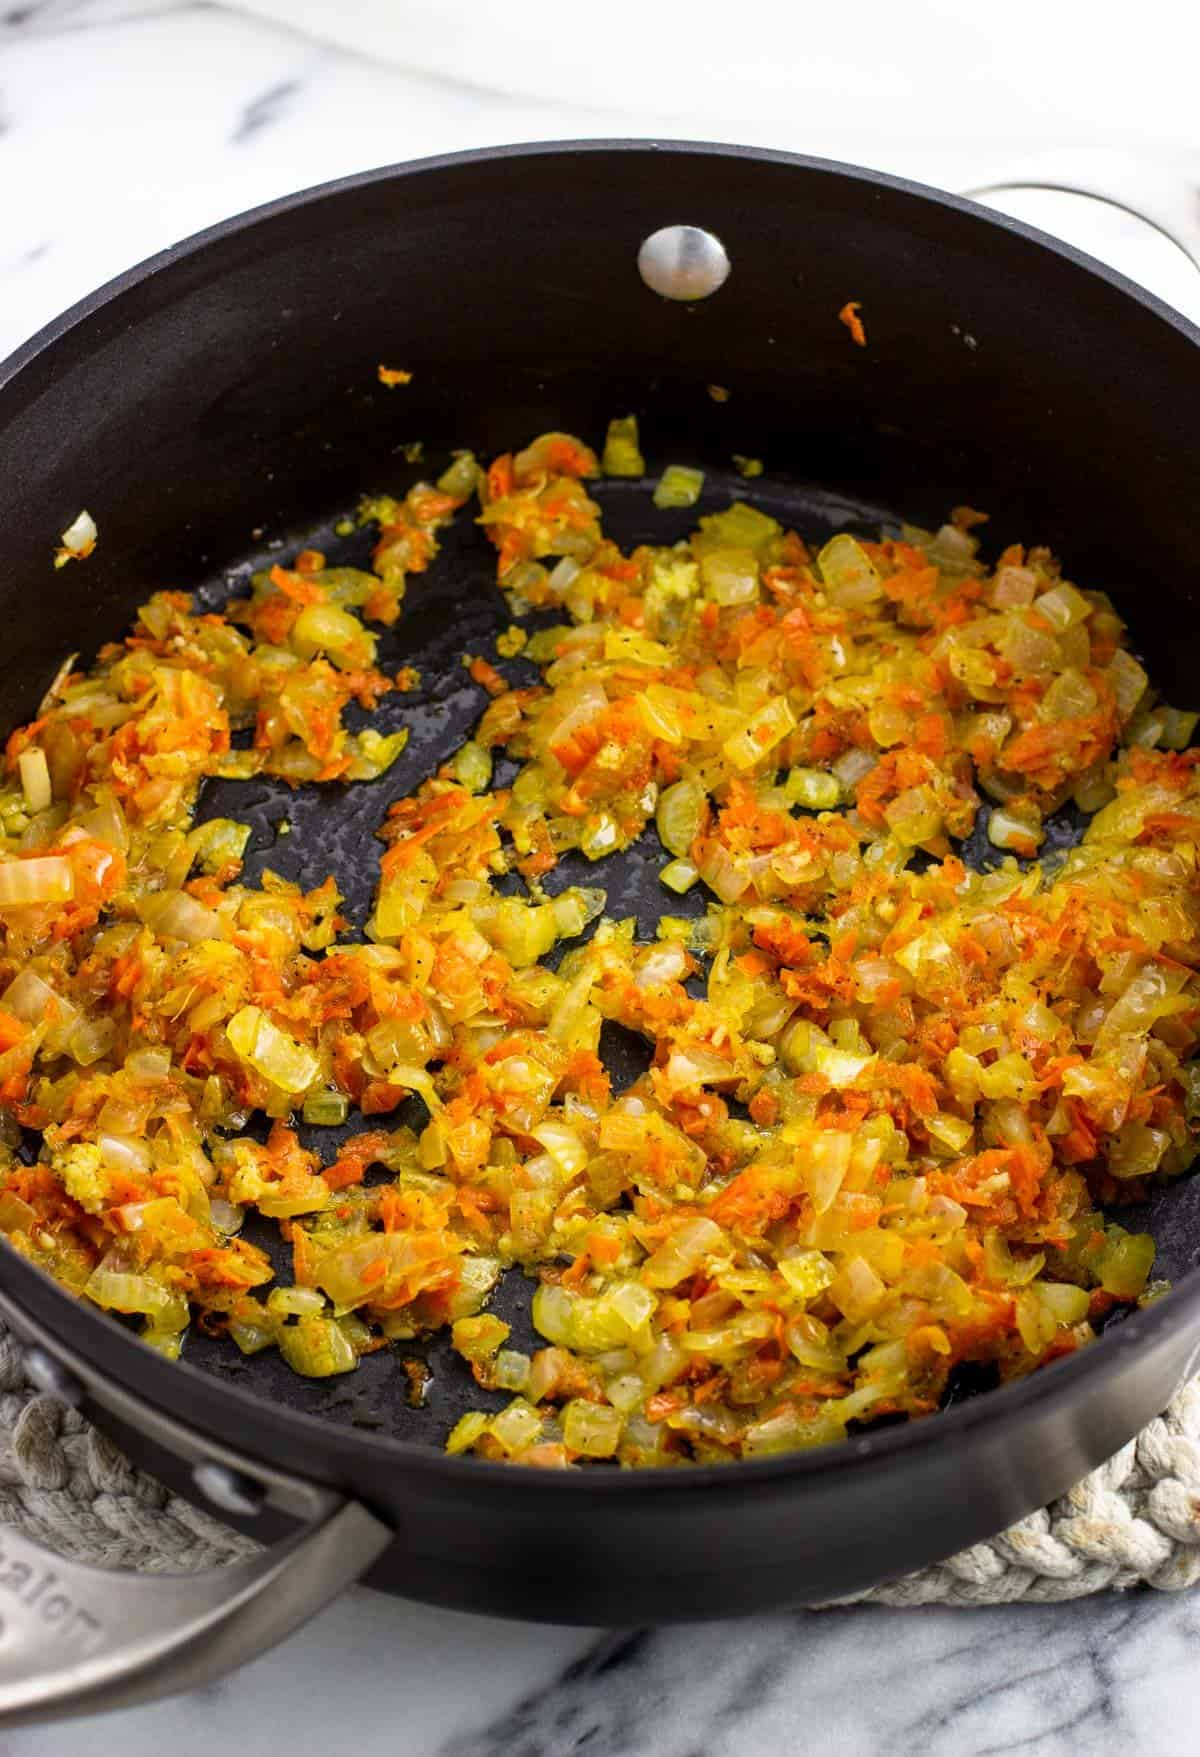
(113, 1353)
(91, 304)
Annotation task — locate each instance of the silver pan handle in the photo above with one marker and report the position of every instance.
(1165, 196)
(77, 1640)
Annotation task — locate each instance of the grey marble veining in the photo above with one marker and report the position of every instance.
(1088, 1678)
(125, 124)
(1096, 1678)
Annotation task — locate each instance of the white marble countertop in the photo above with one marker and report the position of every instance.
(125, 124)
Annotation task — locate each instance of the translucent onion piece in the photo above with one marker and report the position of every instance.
(35, 779)
(851, 578)
(120, 1291)
(25, 883)
(679, 815)
(78, 540)
(316, 1348)
(177, 915)
(323, 628)
(126, 1154)
(679, 486)
(271, 1052)
(622, 454)
(31, 999)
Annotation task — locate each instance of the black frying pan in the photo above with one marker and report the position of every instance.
(220, 403)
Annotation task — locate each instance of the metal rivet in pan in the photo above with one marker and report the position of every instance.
(683, 262)
(228, 1489)
(50, 1376)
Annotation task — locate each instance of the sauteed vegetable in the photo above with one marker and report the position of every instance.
(888, 1099)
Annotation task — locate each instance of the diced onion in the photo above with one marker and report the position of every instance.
(316, 1348)
(678, 486)
(1062, 606)
(124, 1153)
(679, 876)
(679, 815)
(854, 767)
(295, 1302)
(149, 1065)
(622, 454)
(591, 1429)
(270, 1051)
(225, 1216)
(178, 915)
(814, 789)
(78, 540)
(730, 576)
(121, 1291)
(851, 578)
(29, 998)
(462, 477)
(35, 779)
(1128, 682)
(323, 628)
(1019, 834)
(46, 879)
(761, 733)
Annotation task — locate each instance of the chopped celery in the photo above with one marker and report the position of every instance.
(592, 1429)
(326, 1110)
(316, 1348)
(478, 1339)
(35, 779)
(510, 1371)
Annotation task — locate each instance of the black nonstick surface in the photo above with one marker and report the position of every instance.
(453, 610)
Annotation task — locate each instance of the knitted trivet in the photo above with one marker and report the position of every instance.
(1133, 1522)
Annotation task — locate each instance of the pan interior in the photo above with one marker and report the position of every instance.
(456, 609)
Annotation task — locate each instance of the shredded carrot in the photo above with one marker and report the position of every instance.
(849, 315)
(482, 671)
(865, 1105)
